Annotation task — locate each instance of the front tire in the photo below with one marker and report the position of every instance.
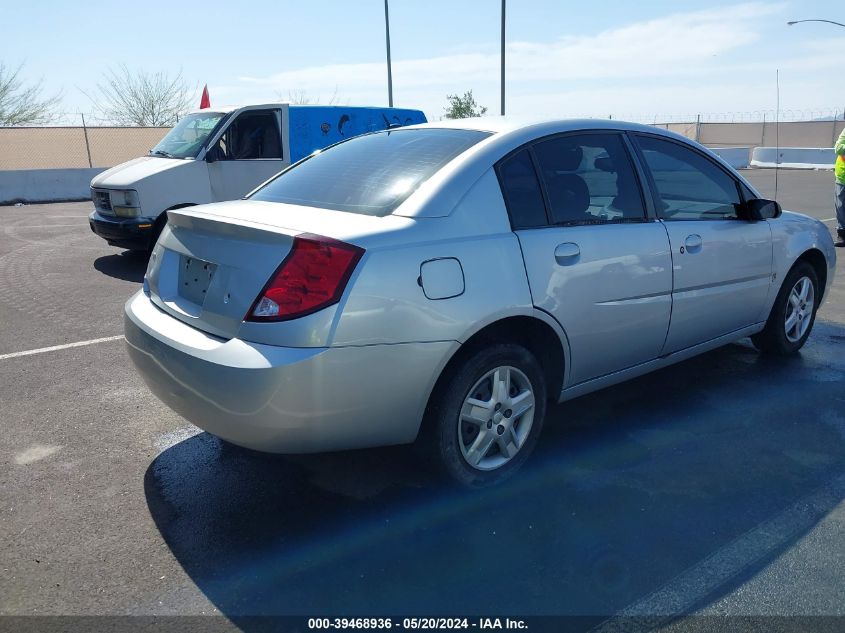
(486, 419)
(793, 313)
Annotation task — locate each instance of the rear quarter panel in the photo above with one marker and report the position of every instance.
(387, 304)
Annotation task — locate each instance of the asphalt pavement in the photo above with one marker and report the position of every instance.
(713, 487)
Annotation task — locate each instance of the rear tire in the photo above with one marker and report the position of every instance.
(485, 421)
(793, 313)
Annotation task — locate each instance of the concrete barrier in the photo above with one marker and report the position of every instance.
(794, 157)
(736, 157)
(46, 185)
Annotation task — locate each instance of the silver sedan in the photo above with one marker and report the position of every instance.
(443, 283)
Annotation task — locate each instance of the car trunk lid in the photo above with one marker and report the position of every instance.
(212, 261)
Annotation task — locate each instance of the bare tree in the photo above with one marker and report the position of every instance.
(22, 104)
(140, 98)
(301, 97)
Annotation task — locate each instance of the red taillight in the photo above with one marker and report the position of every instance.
(312, 277)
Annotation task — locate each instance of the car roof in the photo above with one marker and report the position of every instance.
(506, 124)
(508, 134)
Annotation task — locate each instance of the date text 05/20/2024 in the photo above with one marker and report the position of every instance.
(431, 624)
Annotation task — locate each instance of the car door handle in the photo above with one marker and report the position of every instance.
(567, 253)
(693, 243)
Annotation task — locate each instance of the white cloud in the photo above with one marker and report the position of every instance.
(681, 62)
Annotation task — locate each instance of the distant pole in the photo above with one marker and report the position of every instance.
(777, 128)
(87, 145)
(389, 70)
(503, 57)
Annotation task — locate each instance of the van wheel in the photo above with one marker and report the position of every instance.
(793, 314)
(486, 421)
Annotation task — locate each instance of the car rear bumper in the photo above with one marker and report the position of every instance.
(284, 400)
(131, 233)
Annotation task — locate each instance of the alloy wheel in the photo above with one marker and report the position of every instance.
(496, 418)
(799, 309)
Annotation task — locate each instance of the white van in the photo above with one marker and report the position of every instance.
(220, 154)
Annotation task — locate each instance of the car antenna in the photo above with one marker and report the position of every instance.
(777, 129)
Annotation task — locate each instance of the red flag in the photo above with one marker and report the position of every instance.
(205, 100)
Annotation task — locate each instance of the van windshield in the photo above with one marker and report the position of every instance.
(188, 135)
(370, 174)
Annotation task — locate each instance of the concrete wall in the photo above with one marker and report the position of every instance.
(60, 147)
(45, 185)
(790, 134)
(52, 163)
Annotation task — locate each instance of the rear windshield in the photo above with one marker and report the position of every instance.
(371, 174)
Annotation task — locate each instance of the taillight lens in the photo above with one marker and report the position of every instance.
(312, 277)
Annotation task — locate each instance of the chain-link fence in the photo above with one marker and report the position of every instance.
(71, 141)
(83, 140)
(769, 134)
(788, 115)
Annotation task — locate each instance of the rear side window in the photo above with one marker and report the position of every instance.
(689, 186)
(522, 191)
(371, 174)
(589, 179)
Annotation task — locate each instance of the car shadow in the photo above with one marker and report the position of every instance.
(628, 488)
(128, 265)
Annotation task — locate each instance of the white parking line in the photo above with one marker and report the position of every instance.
(56, 348)
(830, 220)
(693, 585)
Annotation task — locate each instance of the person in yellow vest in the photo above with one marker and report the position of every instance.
(839, 197)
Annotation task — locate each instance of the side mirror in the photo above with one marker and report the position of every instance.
(213, 154)
(762, 209)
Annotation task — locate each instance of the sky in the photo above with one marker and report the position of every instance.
(630, 60)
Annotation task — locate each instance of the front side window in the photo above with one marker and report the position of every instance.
(689, 186)
(188, 135)
(370, 174)
(253, 135)
(589, 179)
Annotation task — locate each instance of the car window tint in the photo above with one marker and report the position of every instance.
(370, 174)
(521, 189)
(689, 186)
(589, 178)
